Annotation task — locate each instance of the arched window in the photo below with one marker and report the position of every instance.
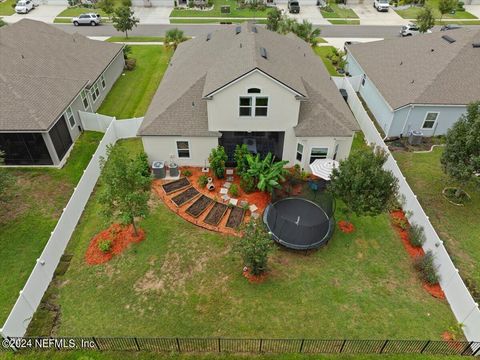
(254, 91)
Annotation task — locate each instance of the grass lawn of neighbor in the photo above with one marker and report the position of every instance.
(186, 281)
(338, 12)
(6, 8)
(136, 39)
(343, 22)
(38, 197)
(412, 12)
(213, 21)
(457, 226)
(216, 11)
(323, 52)
(130, 96)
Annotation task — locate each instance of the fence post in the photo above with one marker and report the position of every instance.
(178, 345)
(343, 345)
(136, 343)
(383, 346)
(96, 343)
(219, 345)
(476, 351)
(301, 345)
(466, 348)
(261, 344)
(423, 349)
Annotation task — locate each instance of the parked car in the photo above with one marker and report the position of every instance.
(450, 27)
(411, 29)
(87, 19)
(293, 7)
(381, 5)
(24, 6)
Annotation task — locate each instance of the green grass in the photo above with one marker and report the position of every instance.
(132, 93)
(216, 11)
(185, 281)
(38, 198)
(321, 41)
(6, 8)
(344, 22)
(323, 52)
(213, 21)
(339, 12)
(62, 21)
(458, 226)
(78, 10)
(412, 12)
(136, 39)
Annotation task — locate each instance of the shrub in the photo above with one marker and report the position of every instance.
(187, 173)
(202, 181)
(247, 183)
(217, 160)
(427, 268)
(105, 246)
(240, 157)
(130, 64)
(190, 4)
(127, 50)
(416, 235)
(233, 191)
(460, 6)
(254, 247)
(127, 3)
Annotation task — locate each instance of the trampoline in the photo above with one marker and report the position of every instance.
(298, 223)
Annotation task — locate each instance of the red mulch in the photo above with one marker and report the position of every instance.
(398, 216)
(121, 237)
(450, 338)
(346, 226)
(254, 279)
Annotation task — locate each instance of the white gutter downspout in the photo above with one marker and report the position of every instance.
(406, 120)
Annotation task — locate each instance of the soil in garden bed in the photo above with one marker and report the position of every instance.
(185, 196)
(235, 218)
(175, 185)
(216, 214)
(199, 206)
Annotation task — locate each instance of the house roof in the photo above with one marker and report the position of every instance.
(42, 70)
(424, 69)
(204, 65)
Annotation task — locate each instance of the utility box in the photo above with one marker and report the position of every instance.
(158, 169)
(173, 168)
(415, 137)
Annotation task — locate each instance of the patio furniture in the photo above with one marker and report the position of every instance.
(323, 168)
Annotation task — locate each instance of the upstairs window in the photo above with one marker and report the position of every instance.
(253, 105)
(245, 106)
(261, 106)
(254, 91)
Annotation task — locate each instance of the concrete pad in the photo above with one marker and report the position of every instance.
(227, 185)
(225, 197)
(307, 12)
(223, 191)
(153, 15)
(229, 171)
(253, 208)
(473, 9)
(44, 13)
(370, 16)
(233, 201)
(340, 42)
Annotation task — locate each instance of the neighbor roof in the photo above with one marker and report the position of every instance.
(42, 69)
(206, 64)
(424, 69)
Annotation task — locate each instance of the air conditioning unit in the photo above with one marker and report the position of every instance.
(415, 137)
(158, 169)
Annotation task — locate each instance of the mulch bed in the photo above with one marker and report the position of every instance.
(120, 236)
(254, 279)
(236, 217)
(346, 226)
(216, 214)
(199, 206)
(185, 196)
(176, 185)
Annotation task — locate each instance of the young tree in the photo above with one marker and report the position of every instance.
(240, 156)
(173, 38)
(6, 179)
(123, 20)
(446, 6)
(108, 6)
(125, 186)
(362, 184)
(461, 157)
(273, 18)
(254, 246)
(425, 19)
(217, 160)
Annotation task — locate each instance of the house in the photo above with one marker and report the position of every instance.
(418, 83)
(46, 77)
(247, 85)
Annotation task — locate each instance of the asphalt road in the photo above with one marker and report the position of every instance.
(343, 31)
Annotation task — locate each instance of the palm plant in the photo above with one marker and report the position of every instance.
(267, 172)
(173, 38)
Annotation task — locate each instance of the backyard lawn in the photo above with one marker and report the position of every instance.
(216, 11)
(38, 198)
(412, 12)
(323, 52)
(130, 96)
(458, 226)
(136, 39)
(6, 7)
(338, 12)
(185, 281)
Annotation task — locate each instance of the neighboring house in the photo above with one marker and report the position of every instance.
(46, 76)
(421, 83)
(247, 85)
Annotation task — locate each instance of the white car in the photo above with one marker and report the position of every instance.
(24, 6)
(381, 5)
(87, 19)
(410, 30)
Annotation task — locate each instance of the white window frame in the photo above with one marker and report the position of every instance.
(299, 153)
(318, 147)
(189, 149)
(434, 121)
(103, 82)
(245, 106)
(95, 91)
(253, 104)
(68, 118)
(261, 106)
(83, 96)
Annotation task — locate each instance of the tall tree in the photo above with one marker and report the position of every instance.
(446, 6)
(273, 18)
(461, 157)
(123, 20)
(362, 184)
(425, 19)
(125, 186)
(173, 38)
(108, 7)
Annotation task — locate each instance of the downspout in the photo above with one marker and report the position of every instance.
(406, 119)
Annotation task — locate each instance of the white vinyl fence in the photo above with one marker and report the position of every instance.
(463, 306)
(42, 274)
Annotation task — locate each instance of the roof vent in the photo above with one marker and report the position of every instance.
(476, 45)
(254, 29)
(263, 52)
(209, 36)
(238, 30)
(448, 39)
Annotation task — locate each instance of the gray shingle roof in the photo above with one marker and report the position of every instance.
(42, 69)
(424, 69)
(200, 67)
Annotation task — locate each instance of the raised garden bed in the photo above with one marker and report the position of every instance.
(199, 206)
(185, 196)
(176, 185)
(216, 214)
(235, 218)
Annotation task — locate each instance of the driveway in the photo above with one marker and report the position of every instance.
(153, 15)
(307, 12)
(45, 13)
(473, 9)
(370, 16)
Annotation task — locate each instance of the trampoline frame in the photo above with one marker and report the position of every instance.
(323, 241)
